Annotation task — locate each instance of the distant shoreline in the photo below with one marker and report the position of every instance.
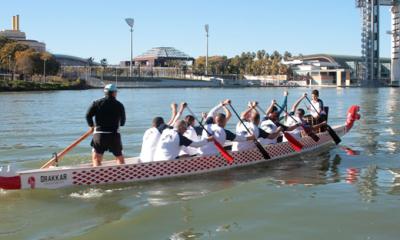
(28, 86)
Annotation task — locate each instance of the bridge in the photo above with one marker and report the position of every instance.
(370, 73)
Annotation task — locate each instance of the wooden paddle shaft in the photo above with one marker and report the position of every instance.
(256, 142)
(309, 101)
(219, 147)
(67, 149)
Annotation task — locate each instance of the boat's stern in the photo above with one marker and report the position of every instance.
(9, 179)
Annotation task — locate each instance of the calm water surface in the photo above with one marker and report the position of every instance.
(329, 195)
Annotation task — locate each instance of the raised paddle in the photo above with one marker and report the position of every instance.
(296, 145)
(307, 129)
(256, 142)
(219, 147)
(67, 149)
(331, 132)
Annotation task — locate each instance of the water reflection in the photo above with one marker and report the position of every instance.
(367, 185)
(392, 109)
(395, 185)
(369, 124)
(311, 169)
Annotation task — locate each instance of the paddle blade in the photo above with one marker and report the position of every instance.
(333, 134)
(262, 150)
(296, 145)
(223, 152)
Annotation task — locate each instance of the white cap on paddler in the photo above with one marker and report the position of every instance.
(110, 88)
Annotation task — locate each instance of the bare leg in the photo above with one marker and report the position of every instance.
(96, 159)
(120, 159)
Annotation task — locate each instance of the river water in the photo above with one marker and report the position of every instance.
(330, 195)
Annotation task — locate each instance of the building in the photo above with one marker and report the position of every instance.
(161, 57)
(16, 35)
(67, 60)
(327, 69)
(370, 41)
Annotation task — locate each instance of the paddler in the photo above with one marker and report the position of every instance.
(109, 115)
(297, 119)
(215, 124)
(317, 109)
(172, 140)
(194, 133)
(270, 124)
(251, 118)
(152, 135)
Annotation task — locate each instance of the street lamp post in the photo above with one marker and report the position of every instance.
(206, 27)
(44, 69)
(9, 63)
(130, 22)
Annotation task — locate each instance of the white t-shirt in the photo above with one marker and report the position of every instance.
(295, 132)
(219, 134)
(317, 105)
(168, 146)
(170, 143)
(241, 130)
(192, 135)
(149, 144)
(269, 127)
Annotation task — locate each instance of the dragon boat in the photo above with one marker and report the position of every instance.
(135, 171)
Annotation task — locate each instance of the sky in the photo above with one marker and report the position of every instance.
(88, 28)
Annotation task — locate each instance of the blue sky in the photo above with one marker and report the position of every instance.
(97, 28)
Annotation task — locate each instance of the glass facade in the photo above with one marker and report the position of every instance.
(164, 52)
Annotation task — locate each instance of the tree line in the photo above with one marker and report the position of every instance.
(248, 63)
(19, 58)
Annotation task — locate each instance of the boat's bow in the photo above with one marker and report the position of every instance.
(352, 116)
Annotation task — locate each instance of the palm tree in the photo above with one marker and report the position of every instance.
(90, 62)
(103, 63)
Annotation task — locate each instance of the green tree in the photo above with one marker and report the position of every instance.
(52, 66)
(199, 65)
(103, 63)
(287, 55)
(4, 41)
(8, 51)
(90, 61)
(24, 61)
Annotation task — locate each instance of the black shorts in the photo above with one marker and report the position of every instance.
(102, 142)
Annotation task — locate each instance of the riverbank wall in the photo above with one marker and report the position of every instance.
(23, 85)
(138, 82)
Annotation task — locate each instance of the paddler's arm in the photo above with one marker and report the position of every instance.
(296, 104)
(250, 106)
(291, 128)
(184, 141)
(90, 114)
(237, 138)
(284, 104)
(182, 107)
(318, 126)
(271, 106)
(227, 113)
(173, 114)
(274, 134)
(211, 114)
(123, 116)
